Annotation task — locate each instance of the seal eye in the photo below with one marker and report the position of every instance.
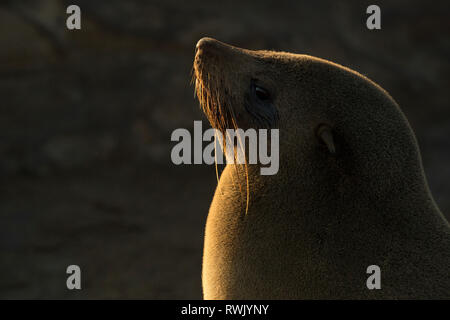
(262, 93)
(259, 104)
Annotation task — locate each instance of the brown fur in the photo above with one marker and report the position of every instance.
(312, 229)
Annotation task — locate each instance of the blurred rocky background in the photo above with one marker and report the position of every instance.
(86, 118)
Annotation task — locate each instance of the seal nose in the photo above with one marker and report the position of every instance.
(204, 43)
(210, 45)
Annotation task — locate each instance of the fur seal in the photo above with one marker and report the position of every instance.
(350, 191)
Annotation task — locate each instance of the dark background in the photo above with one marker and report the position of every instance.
(86, 118)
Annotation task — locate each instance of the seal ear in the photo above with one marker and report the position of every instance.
(325, 135)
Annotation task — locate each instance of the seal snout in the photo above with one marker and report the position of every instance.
(209, 47)
(214, 62)
(205, 49)
(207, 44)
